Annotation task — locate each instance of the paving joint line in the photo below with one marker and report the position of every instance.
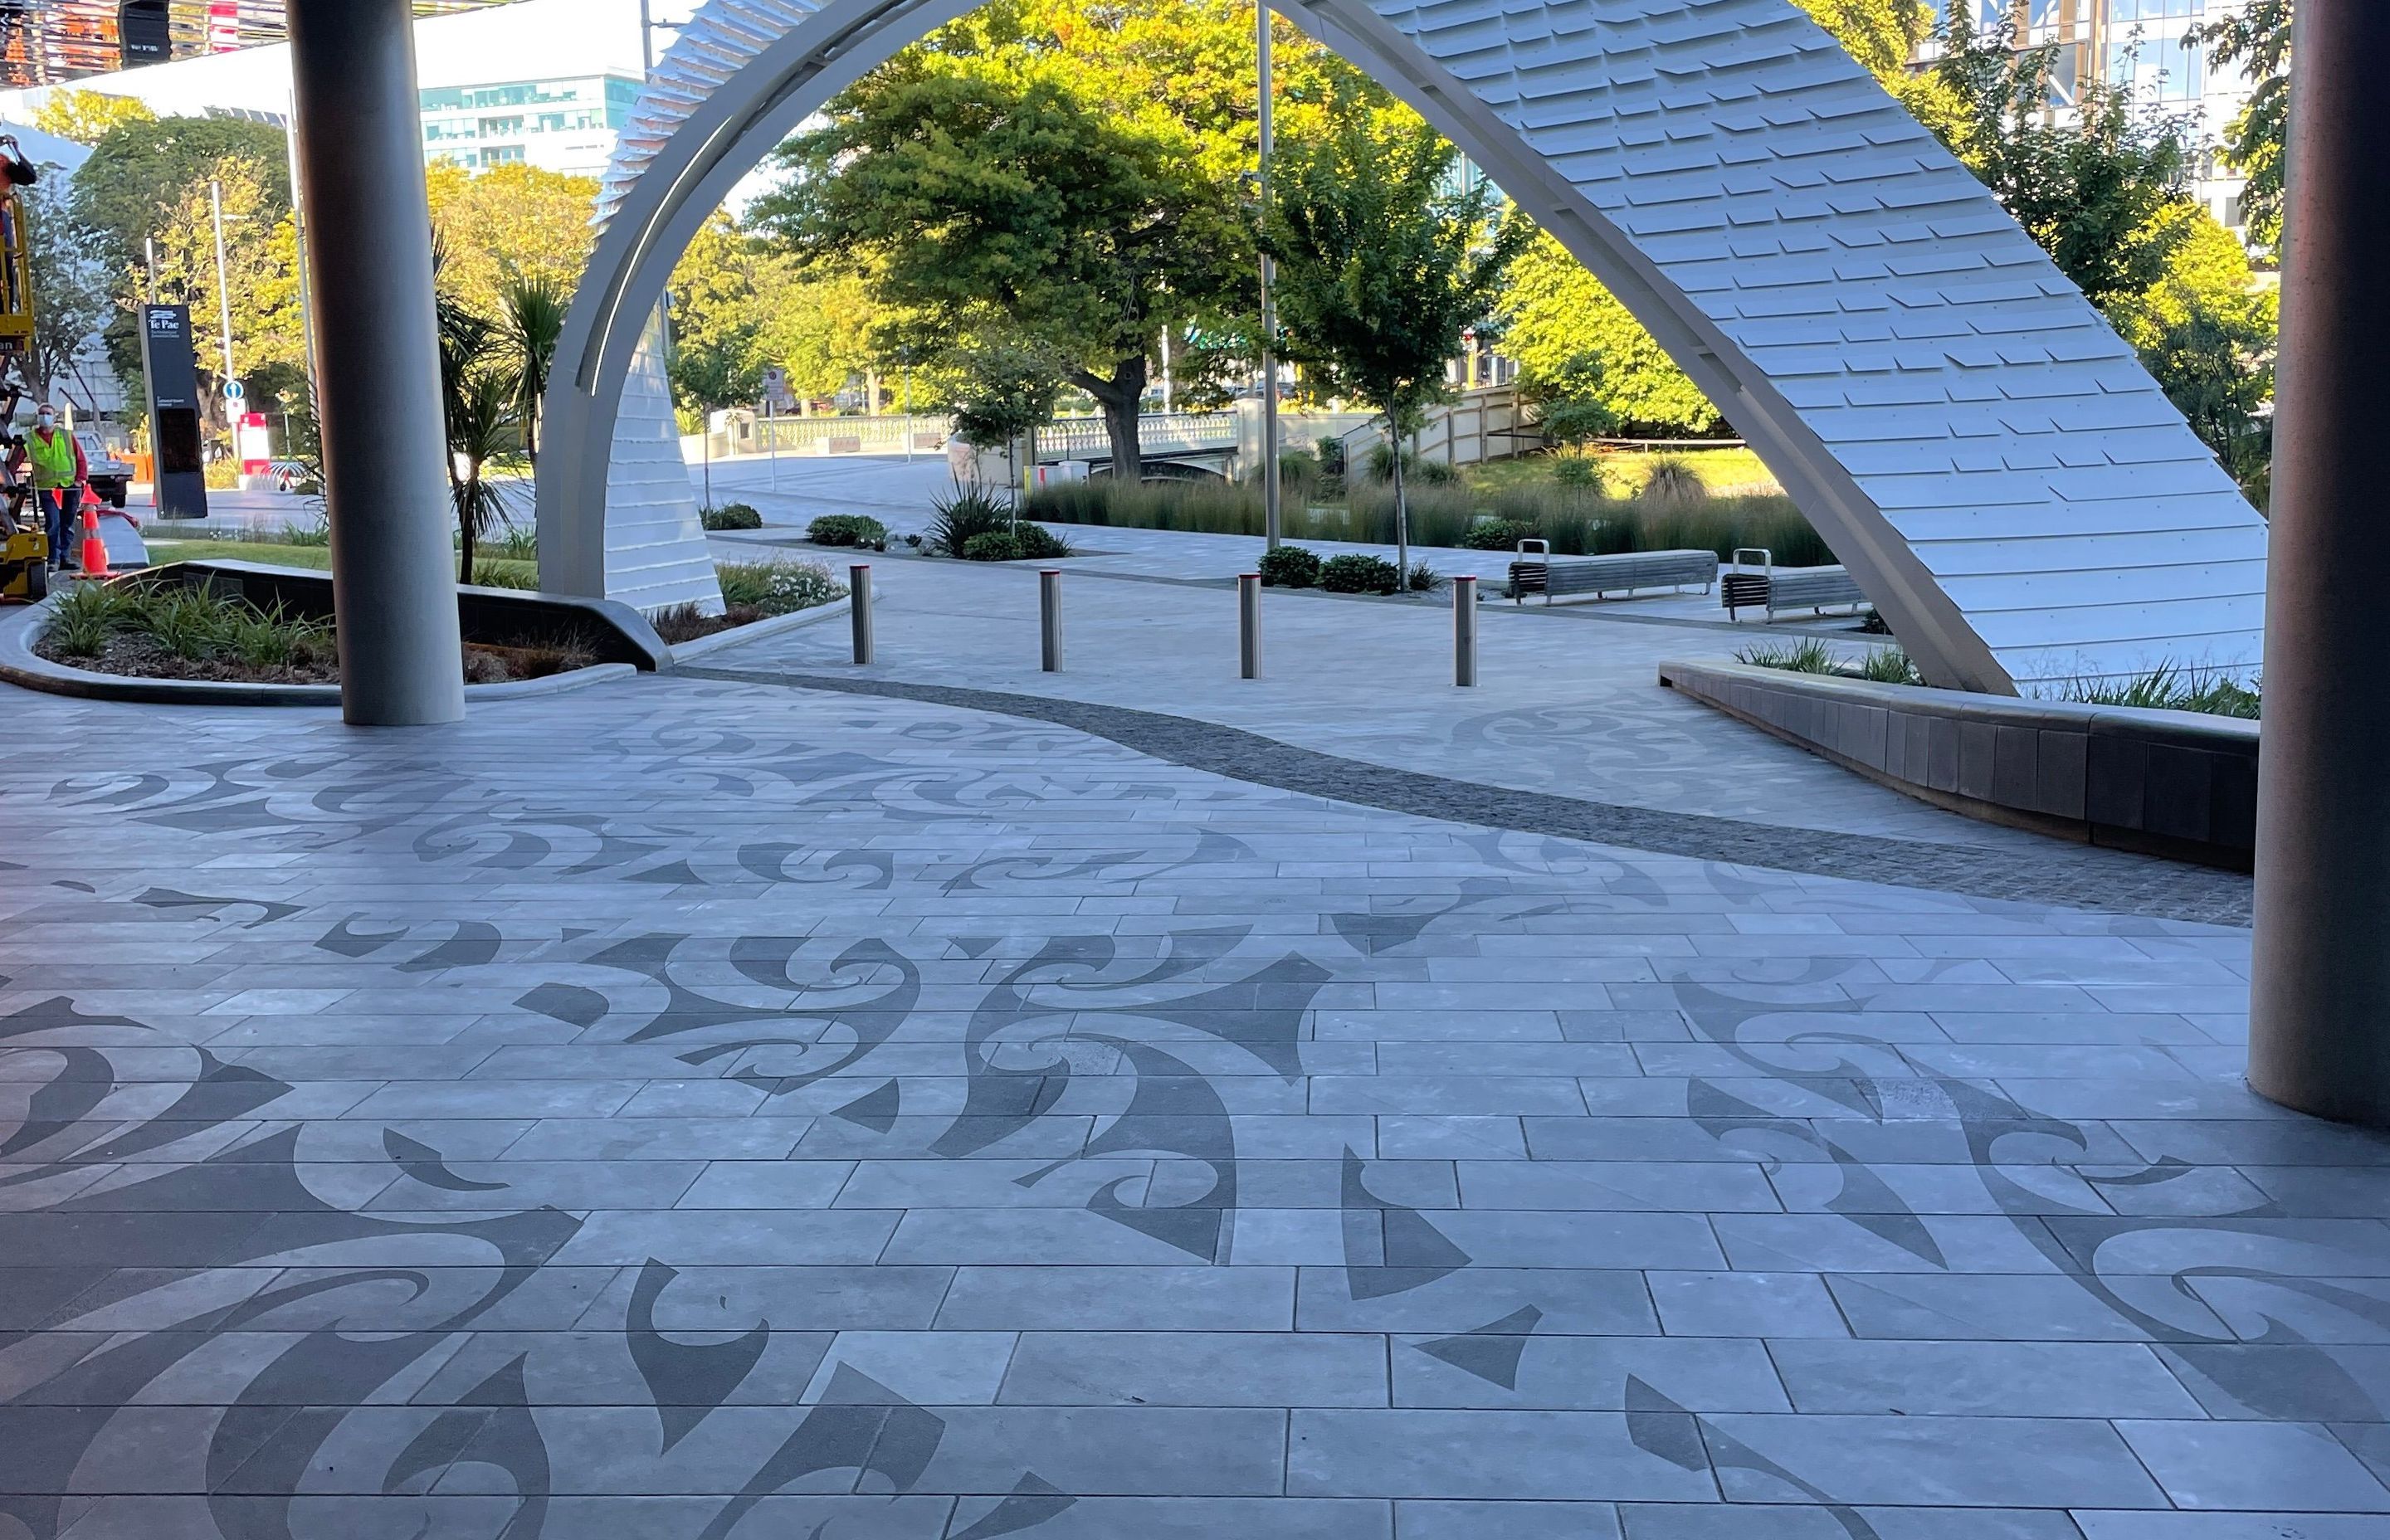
(2090, 877)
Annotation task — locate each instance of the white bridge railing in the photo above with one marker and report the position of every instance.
(1157, 434)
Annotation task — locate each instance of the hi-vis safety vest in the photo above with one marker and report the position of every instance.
(53, 459)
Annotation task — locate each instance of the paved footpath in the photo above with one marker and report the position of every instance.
(708, 1107)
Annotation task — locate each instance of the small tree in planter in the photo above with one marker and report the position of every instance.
(1006, 392)
(1381, 266)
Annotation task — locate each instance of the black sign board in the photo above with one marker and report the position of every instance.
(175, 437)
(142, 26)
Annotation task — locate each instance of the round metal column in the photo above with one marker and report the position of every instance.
(2319, 1024)
(359, 140)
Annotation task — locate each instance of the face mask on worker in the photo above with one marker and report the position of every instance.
(49, 419)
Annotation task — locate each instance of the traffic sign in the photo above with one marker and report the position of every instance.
(234, 390)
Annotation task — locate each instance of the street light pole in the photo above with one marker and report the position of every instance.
(1269, 315)
(224, 294)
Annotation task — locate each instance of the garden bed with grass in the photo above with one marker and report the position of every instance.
(1671, 509)
(2100, 767)
(752, 591)
(2165, 688)
(145, 630)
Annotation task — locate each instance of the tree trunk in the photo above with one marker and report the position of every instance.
(1120, 397)
(466, 495)
(871, 393)
(1402, 520)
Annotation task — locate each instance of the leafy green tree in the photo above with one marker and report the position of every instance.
(1589, 364)
(140, 181)
(2092, 191)
(717, 318)
(88, 117)
(478, 397)
(74, 294)
(531, 324)
(1000, 392)
(509, 222)
(1383, 263)
(1579, 350)
(981, 205)
(260, 274)
(2259, 41)
(2207, 332)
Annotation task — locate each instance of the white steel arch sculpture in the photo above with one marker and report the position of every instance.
(1967, 433)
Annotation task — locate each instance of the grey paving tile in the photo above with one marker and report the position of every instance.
(1109, 1451)
(1430, 1520)
(1197, 1518)
(1176, 1298)
(1197, 1369)
(1482, 1454)
(1969, 1379)
(2275, 1466)
(1583, 1373)
(1959, 1461)
(1745, 1305)
(2299, 1381)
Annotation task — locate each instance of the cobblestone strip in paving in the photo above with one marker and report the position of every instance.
(2078, 877)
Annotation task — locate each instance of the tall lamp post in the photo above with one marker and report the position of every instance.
(1270, 488)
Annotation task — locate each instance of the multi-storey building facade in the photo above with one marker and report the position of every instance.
(2146, 47)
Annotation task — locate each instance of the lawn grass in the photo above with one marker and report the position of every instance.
(489, 572)
(1625, 471)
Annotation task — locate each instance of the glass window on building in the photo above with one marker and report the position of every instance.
(2149, 50)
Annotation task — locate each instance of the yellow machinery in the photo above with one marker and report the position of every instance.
(24, 546)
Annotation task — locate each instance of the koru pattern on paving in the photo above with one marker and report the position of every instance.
(699, 1108)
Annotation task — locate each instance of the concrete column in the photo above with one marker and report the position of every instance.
(2319, 1029)
(360, 150)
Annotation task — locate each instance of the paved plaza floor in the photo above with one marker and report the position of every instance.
(783, 1102)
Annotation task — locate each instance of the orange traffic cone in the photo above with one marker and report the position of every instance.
(95, 550)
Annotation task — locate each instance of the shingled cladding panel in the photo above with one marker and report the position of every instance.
(1968, 433)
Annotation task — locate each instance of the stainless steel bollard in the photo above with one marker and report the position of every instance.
(1464, 631)
(1049, 618)
(858, 585)
(1249, 625)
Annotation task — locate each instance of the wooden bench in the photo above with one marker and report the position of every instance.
(1762, 584)
(1534, 572)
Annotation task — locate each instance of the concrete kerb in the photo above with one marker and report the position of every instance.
(20, 664)
(683, 652)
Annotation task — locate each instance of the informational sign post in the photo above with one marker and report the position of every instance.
(172, 373)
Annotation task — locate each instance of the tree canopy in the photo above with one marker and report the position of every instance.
(1384, 264)
(509, 221)
(88, 117)
(2259, 41)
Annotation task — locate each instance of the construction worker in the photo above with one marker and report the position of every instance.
(60, 470)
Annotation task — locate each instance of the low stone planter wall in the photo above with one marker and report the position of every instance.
(2170, 783)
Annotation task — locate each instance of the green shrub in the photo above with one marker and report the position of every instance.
(516, 545)
(1289, 567)
(1329, 451)
(1038, 543)
(731, 516)
(1673, 483)
(84, 617)
(2171, 689)
(1809, 656)
(848, 529)
(993, 546)
(776, 587)
(1423, 579)
(501, 574)
(1577, 521)
(1890, 665)
(962, 513)
(1498, 535)
(191, 623)
(1358, 575)
(1576, 471)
